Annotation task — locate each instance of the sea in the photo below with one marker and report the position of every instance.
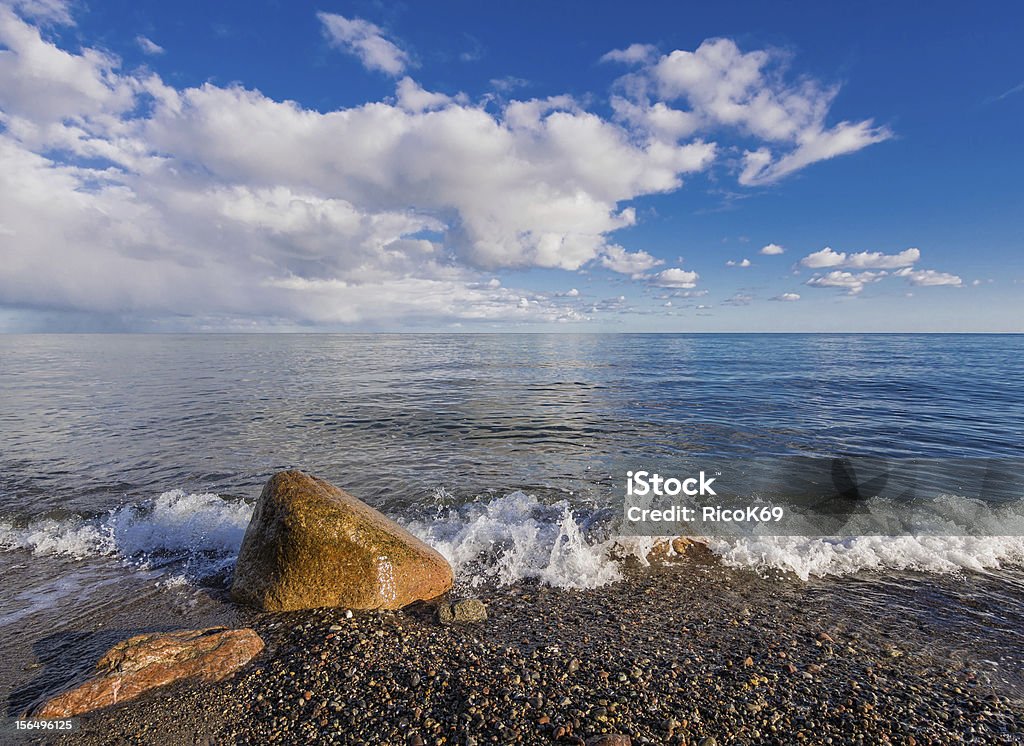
(129, 464)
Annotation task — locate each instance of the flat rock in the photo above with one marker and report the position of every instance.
(145, 662)
(310, 544)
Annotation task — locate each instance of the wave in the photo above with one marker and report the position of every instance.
(821, 557)
(199, 533)
(518, 537)
(502, 540)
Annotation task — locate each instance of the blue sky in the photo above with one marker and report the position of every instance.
(510, 166)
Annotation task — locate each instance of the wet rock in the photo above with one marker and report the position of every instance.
(668, 548)
(460, 612)
(310, 544)
(145, 662)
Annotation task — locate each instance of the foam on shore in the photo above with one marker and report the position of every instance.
(500, 540)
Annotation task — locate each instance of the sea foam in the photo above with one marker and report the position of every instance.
(505, 539)
(202, 532)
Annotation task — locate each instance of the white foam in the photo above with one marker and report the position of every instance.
(518, 537)
(74, 537)
(820, 557)
(203, 531)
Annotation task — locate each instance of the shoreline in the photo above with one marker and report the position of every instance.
(680, 653)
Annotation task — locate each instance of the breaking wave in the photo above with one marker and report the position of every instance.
(499, 540)
(199, 533)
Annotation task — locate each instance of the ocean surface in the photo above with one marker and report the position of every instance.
(128, 464)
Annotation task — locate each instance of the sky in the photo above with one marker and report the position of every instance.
(527, 166)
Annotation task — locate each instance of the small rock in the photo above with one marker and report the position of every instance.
(462, 612)
(610, 739)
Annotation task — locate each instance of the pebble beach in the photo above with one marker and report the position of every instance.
(686, 652)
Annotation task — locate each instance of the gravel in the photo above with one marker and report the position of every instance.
(689, 653)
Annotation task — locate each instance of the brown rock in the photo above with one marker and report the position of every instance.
(668, 548)
(310, 544)
(610, 739)
(144, 662)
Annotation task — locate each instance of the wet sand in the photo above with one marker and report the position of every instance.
(687, 653)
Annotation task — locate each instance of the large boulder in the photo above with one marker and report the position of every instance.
(310, 544)
(145, 662)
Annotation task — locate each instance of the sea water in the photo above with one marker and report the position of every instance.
(129, 464)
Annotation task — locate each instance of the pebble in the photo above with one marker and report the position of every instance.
(575, 667)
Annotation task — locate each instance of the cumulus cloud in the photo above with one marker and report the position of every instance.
(928, 277)
(772, 250)
(366, 41)
(828, 257)
(220, 200)
(718, 85)
(413, 98)
(744, 263)
(631, 55)
(675, 277)
(148, 46)
(878, 260)
(124, 194)
(787, 297)
(852, 282)
(632, 263)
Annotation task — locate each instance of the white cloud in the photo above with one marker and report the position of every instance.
(928, 277)
(359, 214)
(48, 85)
(828, 257)
(366, 41)
(744, 263)
(815, 144)
(148, 46)
(632, 263)
(878, 260)
(852, 282)
(415, 99)
(787, 297)
(631, 55)
(509, 83)
(772, 250)
(55, 11)
(675, 278)
(721, 86)
(824, 258)
(739, 299)
(126, 195)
